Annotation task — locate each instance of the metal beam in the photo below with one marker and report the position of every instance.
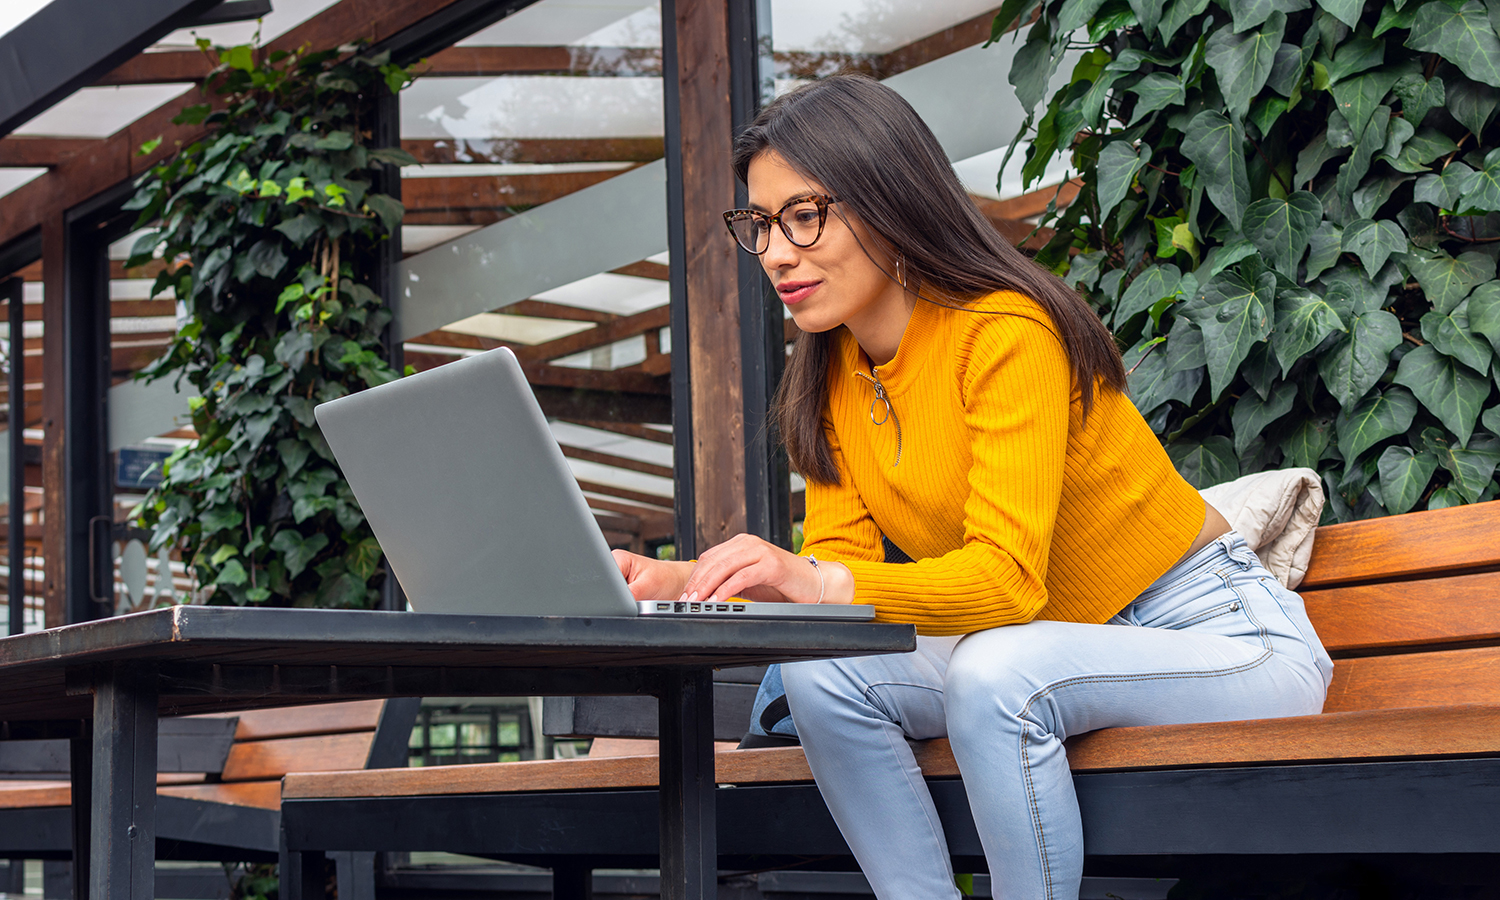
(69, 43)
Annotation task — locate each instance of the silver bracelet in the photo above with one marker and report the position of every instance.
(814, 560)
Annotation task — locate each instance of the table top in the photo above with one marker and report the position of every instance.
(249, 657)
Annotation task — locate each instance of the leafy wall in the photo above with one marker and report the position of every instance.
(270, 226)
(1290, 216)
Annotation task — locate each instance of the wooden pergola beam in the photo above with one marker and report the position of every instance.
(162, 67)
(625, 428)
(495, 191)
(602, 335)
(25, 150)
(609, 490)
(618, 462)
(534, 150)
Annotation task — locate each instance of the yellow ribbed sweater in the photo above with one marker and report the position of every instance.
(1012, 505)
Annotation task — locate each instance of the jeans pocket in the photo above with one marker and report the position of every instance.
(1213, 612)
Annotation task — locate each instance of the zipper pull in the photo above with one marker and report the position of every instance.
(890, 411)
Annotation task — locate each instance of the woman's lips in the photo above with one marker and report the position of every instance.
(797, 291)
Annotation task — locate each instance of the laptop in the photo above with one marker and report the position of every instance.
(476, 508)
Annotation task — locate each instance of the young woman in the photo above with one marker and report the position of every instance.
(951, 397)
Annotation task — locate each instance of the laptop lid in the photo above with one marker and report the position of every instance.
(470, 496)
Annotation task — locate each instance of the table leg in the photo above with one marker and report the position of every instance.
(689, 840)
(81, 775)
(123, 838)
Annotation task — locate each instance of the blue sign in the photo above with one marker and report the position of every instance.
(139, 467)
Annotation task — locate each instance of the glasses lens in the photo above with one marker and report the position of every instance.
(803, 222)
(751, 231)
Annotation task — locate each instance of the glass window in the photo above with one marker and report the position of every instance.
(24, 512)
(536, 220)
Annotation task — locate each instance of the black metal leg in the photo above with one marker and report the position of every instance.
(122, 843)
(689, 842)
(355, 873)
(81, 773)
(571, 881)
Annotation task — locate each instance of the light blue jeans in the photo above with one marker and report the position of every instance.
(1217, 638)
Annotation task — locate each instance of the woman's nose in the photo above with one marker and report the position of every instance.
(780, 252)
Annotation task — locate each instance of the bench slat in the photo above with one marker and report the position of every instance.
(301, 721)
(1368, 735)
(1391, 615)
(260, 760)
(1436, 678)
(1420, 543)
(260, 794)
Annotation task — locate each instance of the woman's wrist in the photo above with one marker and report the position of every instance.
(838, 583)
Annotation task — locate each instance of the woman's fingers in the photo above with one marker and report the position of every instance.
(751, 567)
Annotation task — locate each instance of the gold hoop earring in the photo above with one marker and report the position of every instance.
(901, 270)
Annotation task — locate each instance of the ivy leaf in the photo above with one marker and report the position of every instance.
(1450, 334)
(1305, 445)
(1355, 56)
(1460, 34)
(1324, 248)
(267, 258)
(1421, 149)
(1393, 16)
(1491, 419)
(1118, 164)
(388, 209)
(1358, 98)
(1178, 14)
(1377, 417)
(1252, 414)
(1204, 465)
(1157, 90)
(1471, 468)
(1418, 95)
(1484, 314)
(1404, 475)
(1471, 102)
(363, 558)
(1346, 11)
(1312, 157)
(1303, 320)
(1032, 65)
(1352, 172)
(1446, 280)
(338, 140)
(1185, 347)
(1481, 191)
(1281, 229)
(300, 228)
(1250, 13)
(1353, 366)
(1147, 288)
(221, 518)
(1287, 69)
(1152, 382)
(1374, 242)
(1234, 315)
(1242, 62)
(233, 573)
(297, 551)
(1147, 13)
(1216, 147)
(1447, 388)
(293, 454)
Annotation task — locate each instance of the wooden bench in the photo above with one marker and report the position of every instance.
(1398, 779)
(219, 781)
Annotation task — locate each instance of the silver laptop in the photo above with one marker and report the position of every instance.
(476, 508)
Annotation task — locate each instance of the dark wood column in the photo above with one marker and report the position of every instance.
(709, 364)
(54, 419)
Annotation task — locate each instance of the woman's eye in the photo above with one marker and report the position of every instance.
(807, 216)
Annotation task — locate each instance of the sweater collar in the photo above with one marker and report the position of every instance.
(911, 353)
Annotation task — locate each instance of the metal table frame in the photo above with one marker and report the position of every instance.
(104, 683)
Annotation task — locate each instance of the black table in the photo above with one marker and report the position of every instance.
(104, 684)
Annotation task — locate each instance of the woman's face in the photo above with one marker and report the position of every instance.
(834, 282)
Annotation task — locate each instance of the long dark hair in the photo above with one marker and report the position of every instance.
(866, 146)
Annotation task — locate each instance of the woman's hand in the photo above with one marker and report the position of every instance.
(746, 566)
(652, 579)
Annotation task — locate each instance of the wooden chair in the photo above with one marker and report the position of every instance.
(1400, 774)
(219, 787)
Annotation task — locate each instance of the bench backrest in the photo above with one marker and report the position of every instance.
(1409, 608)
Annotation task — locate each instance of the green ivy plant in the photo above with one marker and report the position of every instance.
(270, 228)
(1290, 218)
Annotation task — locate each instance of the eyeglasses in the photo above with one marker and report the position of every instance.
(801, 220)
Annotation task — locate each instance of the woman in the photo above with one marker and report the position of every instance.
(951, 397)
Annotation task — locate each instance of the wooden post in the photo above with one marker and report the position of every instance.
(699, 33)
(54, 417)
